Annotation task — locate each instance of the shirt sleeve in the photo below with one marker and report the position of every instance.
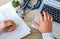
(47, 36)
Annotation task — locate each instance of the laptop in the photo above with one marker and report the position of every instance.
(53, 8)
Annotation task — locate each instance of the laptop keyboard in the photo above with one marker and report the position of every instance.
(53, 11)
(58, 0)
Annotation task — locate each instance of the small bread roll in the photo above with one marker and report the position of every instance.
(7, 26)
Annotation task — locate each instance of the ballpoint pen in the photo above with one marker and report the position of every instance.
(7, 28)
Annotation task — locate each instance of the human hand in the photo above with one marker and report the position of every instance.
(46, 23)
(7, 23)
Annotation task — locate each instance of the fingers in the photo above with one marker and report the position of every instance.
(41, 17)
(36, 24)
(47, 16)
(51, 18)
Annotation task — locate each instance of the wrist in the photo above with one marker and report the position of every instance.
(46, 31)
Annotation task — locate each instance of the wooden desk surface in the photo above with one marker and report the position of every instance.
(35, 34)
(28, 18)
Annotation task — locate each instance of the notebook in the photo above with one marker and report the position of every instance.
(21, 30)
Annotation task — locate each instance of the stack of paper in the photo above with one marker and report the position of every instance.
(8, 12)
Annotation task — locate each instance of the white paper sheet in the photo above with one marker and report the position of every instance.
(10, 14)
(1, 17)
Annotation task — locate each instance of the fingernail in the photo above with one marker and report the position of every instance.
(43, 11)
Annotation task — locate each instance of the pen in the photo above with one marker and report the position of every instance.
(7, 28)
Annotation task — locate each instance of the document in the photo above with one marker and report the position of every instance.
(21, 30)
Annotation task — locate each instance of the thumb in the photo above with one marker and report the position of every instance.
(36, 24)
